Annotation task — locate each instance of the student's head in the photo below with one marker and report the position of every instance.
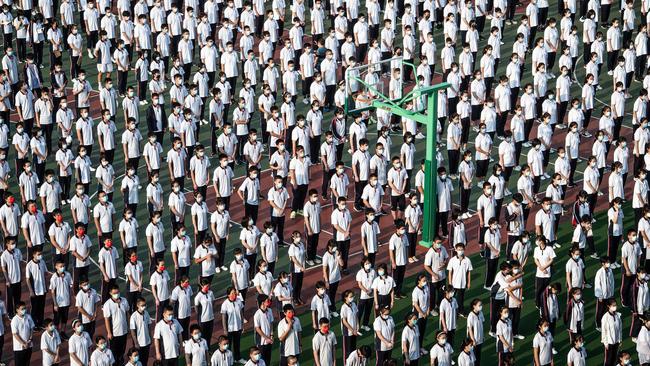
(37, 254)
(195, 332)
(133, 355)
(168, 314)
(624, 358)
(100, 342)
(289, 311)
(382, 269)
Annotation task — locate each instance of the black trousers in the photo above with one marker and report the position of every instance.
(278, 227)
(13, 297)
(61, 316)
(435, 294)
(118, 347)
(398, 274)
(495, 307)
(358, 191)
(312, 246)
(331, 292)
(266, 350)
(235, 341)
(206, 328)
(491, 272)
(454, 160)
(626, 290)
(296, 282)
(299, 194)
(38, 309)
(611, 353)
(365, 308)
(540, 285)
(344, 247)
(23, 357)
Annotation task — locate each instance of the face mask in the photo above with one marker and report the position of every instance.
(197, 336)
(442, 341)
(238, 257)
(380, 272)
(79, 329)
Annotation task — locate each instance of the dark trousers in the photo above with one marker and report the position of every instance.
(299, 194)
(398, 274)
(460, 299)
(296, 282)
(626, 290)
(491, 272)
(38, 309)
(13, 298)
(23, 357)
(278, 227)
(365, 308)
(235, 341)
(495, 307)
(611, 353)
(344, 247)
(266, 350)
(331, 292)
(312, 246)
(435, 294)
(118, 347)
(206, 328)
(61, 316)
(540, 285)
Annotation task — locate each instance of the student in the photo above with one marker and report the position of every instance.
(167, 338)
(365, 278)
(290, 336)
(60, 286)
(603, 289)
(578, 354)
(196, 348)
(421, 305)
(50, 344)
(324, 344)
(492, 241)
(239, 269)
(232, 317)
(10, 260)
(398, 249)
(410, 344)
(249, 238)
(115, 319)
(35, 275)
(86, 302)
(475, 334)
(498, 292)
(369, 235)
(442, 350)
(181, 300)
(360, 356)
(630, 258)
(544, 256)
(543, 344)
(159, 282)
(312, 212)
(504, 343)
(269, 247)
(341, 222)
(204, 305)
(574, 313)
(297, 259)
(22, 330)
(79, 345)
(139, 324)
(611, 333)
(384, 329)
(551, 305)
(101, 355)
(383, 289)
(575, 269)
(263, 327)
(222, 356)
(460, 268)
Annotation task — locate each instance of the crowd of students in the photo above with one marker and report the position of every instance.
(241, 71)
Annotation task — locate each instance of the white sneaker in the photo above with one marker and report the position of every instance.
(420, 136)
(423, 351)
(365, 328)
(63, 202)
(335, 314)
(292, 215)
(492, 334)
(305, 101)
(519, 336)
(507, 192)
(587, 285)
(554, 351)
(517, 168)
(218, 270)
(242, 361)
(594, 256)
(546, 176)
(224, 268)
(552, 75)
(480, 184)
(610, 73)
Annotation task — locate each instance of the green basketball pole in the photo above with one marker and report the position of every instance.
(430, 120)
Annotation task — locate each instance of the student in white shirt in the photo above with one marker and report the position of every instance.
(232, 316)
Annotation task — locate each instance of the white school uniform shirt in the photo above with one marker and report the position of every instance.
(611, 329)
(161, 281)
(117, 312)
(604, 284)
(544, 256)
(574, 269)
(459, 267)
(168, 334)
